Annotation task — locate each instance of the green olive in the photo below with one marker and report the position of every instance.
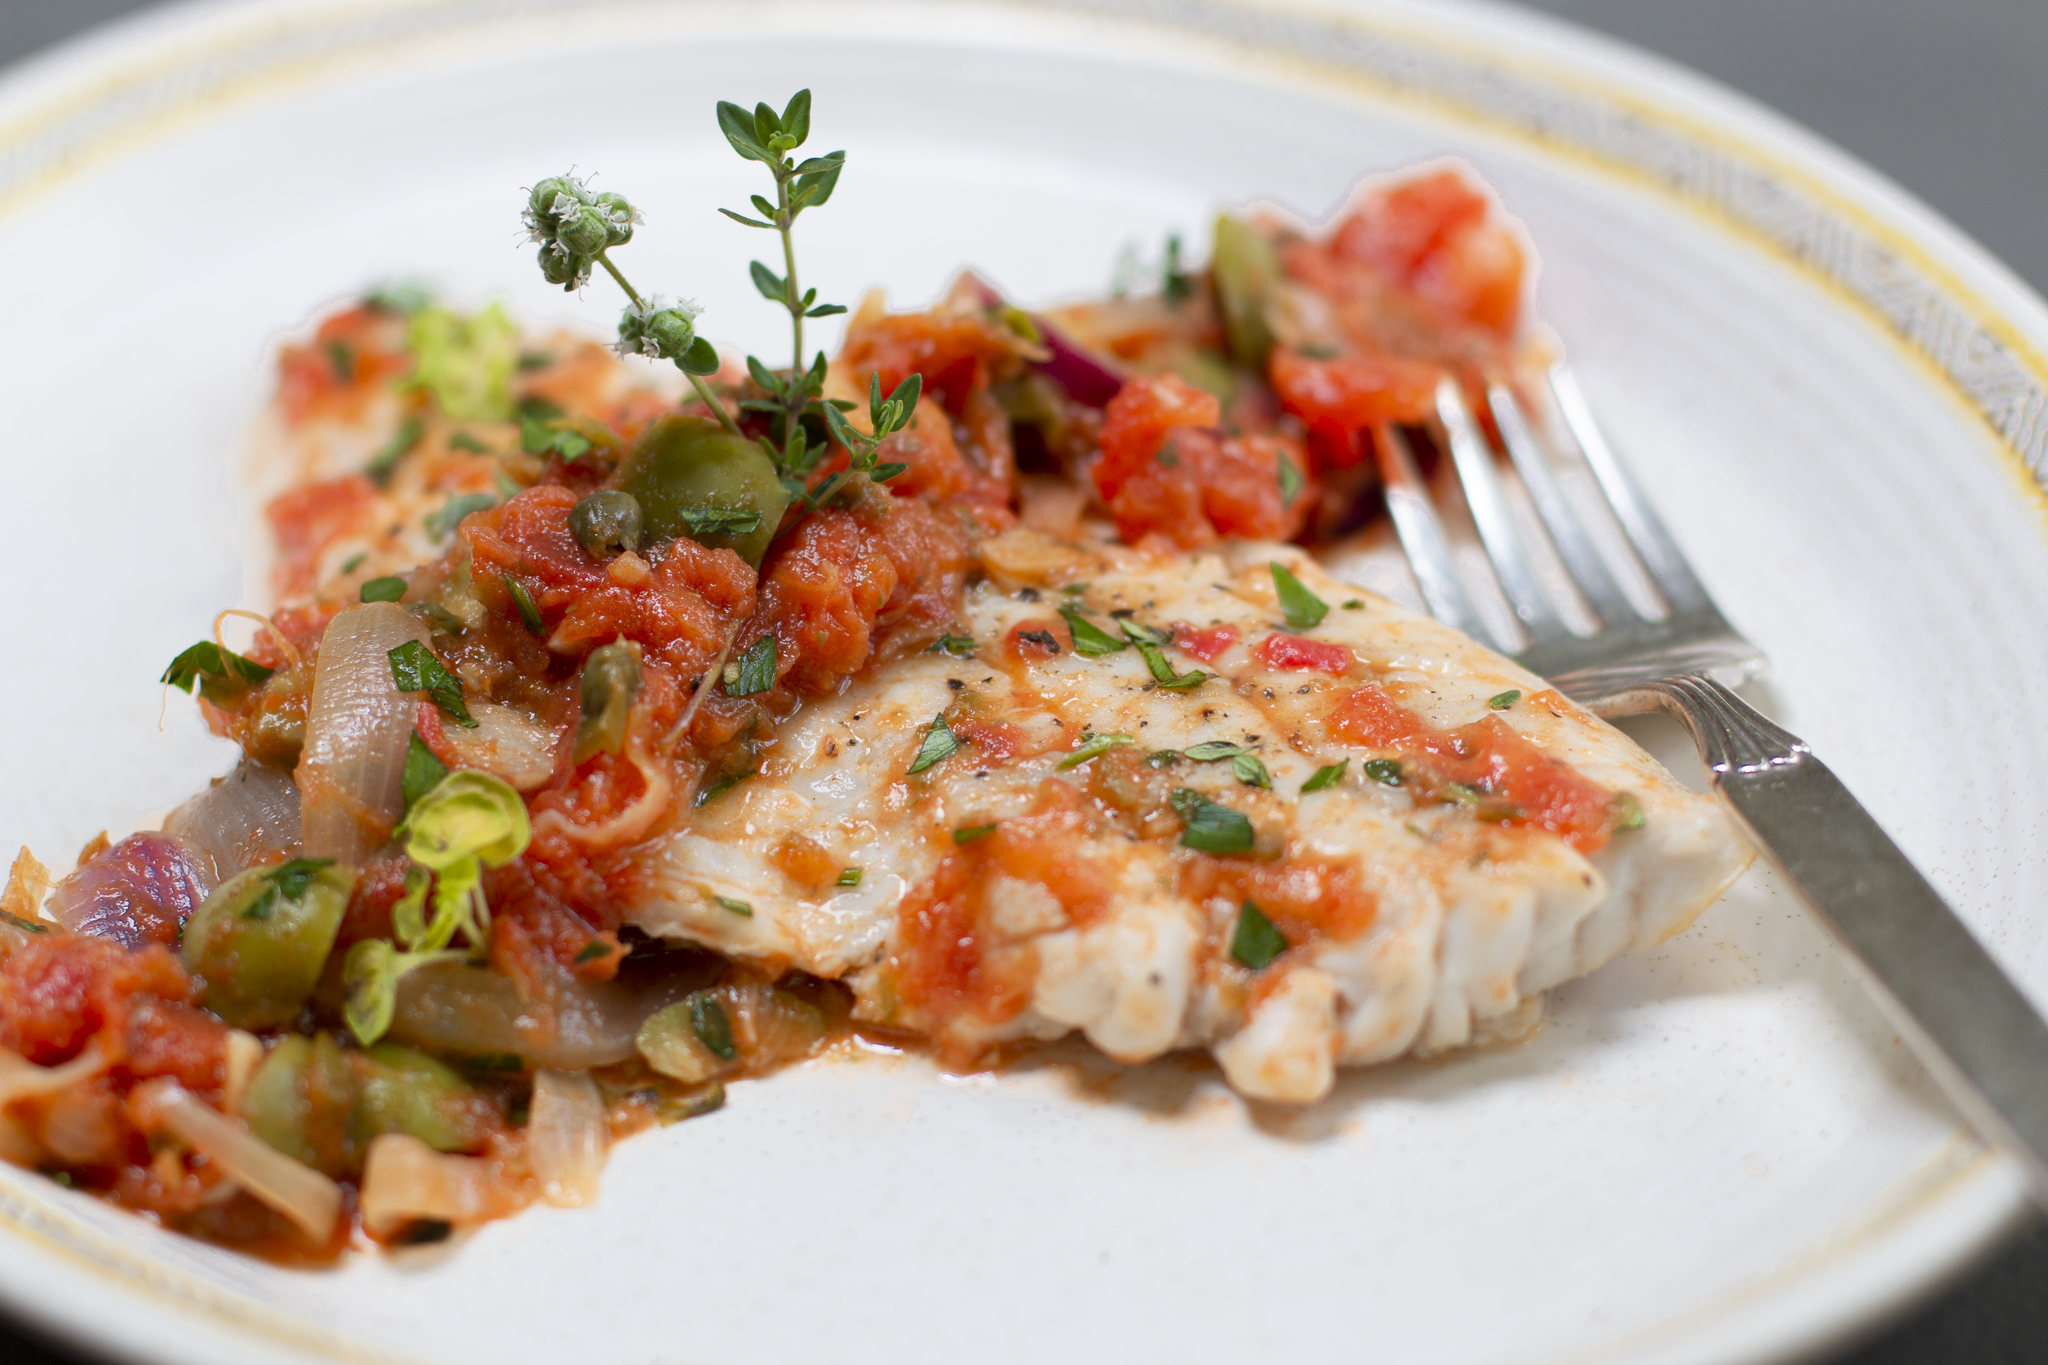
(691, 476)
(406, 1091)
(300, 1100)
(262, 937)
(690, 1040)
(606, 522)
(1246, 271)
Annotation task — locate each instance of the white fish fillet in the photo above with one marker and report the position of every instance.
(1470, 920)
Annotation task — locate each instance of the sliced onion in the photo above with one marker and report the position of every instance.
(294, 1189)
(404, 1180)
(138, 891)
(565, 1137)
(21, 1079)
(352, 767)
(450, 1007)
(250, 816)
(507, 742)
(244, 1055)
(16, 1146)
(1085, 378)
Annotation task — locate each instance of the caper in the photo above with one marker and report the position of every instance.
(260, 940)
(691, 476)
(606, 522)
(611, 679)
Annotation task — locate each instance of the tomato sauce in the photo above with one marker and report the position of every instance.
(1520, 784)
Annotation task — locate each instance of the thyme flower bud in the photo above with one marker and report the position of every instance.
(662, 331)
(550, 202)
(619, 217)
(585, 232)
(565, 268)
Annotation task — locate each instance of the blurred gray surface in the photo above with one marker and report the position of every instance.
(1949, 98)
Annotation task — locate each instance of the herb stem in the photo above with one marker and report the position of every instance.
(791, 295)
(696, 382)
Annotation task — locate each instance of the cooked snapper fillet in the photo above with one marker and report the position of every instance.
(1420, 910)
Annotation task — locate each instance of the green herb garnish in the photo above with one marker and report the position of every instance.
(387, 589)
(1386, 771)
(462, 440)
(1290, 482)
(1212, 828)
(1353, 603)
(969, 833)
(219, 675)
(1325, 777)
(939, 745)
(385, 462)
(755, 670)
(1092, 746)
(709, 1023)
(1302, 608)
(1150, 644)
(27, 926)
(723, 785)
(415, 669)
(440, 525)
(1501, 701)
(1256, 942)
(1628, 811)
(523, 600)
(423, 771)
(959, 646)
(1243, 761)
(848, 876)
(740, 908)
(1089, 638)
(720, 521)
(593, 950)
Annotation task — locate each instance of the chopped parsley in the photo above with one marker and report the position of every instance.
(442, 524)
(1302, 608)
(720, 521)
(939, 745)
(423, 771)
(1325, 777)
(740, 908)
(402, 441)
(1090, 639)
(958, 646)
(1628, 811)
(714, 790)
(523, 600)
(1092, 746)
(354, 561)
(287, 882)
(1290, 482)
(1386, 771)
(1501, 701)
(755, 671)
(387, 589)
(848, 876)
(969, 833)
(1212, 828)
(1150, 644)
(219, 675)
(415, 669)
(1354, 603)
(462, 440)
(1243, 761)
(593, 950)
(1256, 942)
(709, 1023)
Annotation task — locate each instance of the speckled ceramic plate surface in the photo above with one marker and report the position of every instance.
(1714, 1152)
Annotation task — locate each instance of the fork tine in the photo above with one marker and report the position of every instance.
(1660, 554)
(1481, 482)
(1421, 534)
(1589, 572)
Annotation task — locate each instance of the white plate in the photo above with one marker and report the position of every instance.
(1714, 1153)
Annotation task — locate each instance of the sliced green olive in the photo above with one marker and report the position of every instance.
(674, 1039)
(611, 678)
(1245, 270)
(261, 938)
(606, 522)
(406, 1091)
(300, 1100)
(688, 472)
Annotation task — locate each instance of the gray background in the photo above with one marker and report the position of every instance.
(1948, 97)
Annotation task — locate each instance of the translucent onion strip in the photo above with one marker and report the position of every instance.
(352, 768)
(294, 1189)
(404, 1179)
(565, 1137)
(21, 1079)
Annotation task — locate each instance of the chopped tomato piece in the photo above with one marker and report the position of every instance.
(1166, 469)
(1438, 237)
(1206, 645)
(1344, 395)
(1289, 652)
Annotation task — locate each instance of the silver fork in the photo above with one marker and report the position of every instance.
(1968, 1023)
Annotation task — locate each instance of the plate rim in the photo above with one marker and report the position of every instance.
(1968, 323)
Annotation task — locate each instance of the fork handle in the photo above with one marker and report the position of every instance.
(1976, 1033)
